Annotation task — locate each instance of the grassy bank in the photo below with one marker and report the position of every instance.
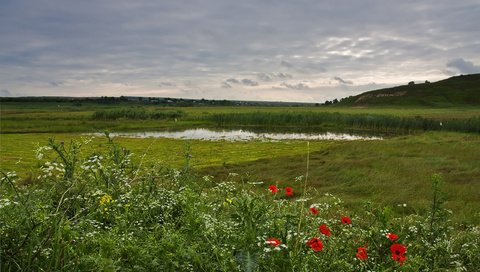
(327, 120)
(18, 117)
(17, 151)
(101, 212)
(391, 171)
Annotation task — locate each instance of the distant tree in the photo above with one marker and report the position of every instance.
(426, 81)
(335, 101)
(411, 83)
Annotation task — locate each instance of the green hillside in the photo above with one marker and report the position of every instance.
(454, 91)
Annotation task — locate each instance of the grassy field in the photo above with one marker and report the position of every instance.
(357, 171)
(392, 171)
(17, 151)
(64, 117)
(97, 212)
(116, 211)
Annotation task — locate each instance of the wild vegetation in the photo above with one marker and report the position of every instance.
(136, 114)
(346, 121)
(409, 202)
(458, 90)
(102, 212)
(23, 117)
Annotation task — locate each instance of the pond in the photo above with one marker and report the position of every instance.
(243, 135)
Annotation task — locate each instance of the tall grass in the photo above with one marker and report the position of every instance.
(137, 114)
(107, 214)
(341, 120)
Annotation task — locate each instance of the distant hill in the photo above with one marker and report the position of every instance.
(454, 91)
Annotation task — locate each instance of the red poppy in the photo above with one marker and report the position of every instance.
(361, 253)
(392, 236)
(273, 242)
(289, 191)
(314, 210)
(315, 244)
(398, 253)
(346, 220)
(273, 189)
(324, 229)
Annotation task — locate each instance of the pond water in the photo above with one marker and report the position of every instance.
(242, 135)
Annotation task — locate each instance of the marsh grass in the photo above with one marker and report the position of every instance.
(30, 117)
(346, 121)
(389, 172)
(136, 114)
(158, 218)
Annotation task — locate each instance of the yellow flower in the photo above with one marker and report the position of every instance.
(228, 201)
(105, 199)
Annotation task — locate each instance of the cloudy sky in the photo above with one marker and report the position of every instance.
(278, 50)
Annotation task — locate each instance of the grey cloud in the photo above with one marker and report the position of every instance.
(245, 81)
(284, 75)
(49, 40)
(273, 76)
(304, 66)
(342, 81)
(315, 67)
(298, 86)
(249, 82)
(225, 85)
(286, 64)
(55, 83)
(5, 93)
(265, 77)
(167, 84)
(233, 80)
(463, 66)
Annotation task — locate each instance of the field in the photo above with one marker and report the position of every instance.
(393, 176)
(28, 117)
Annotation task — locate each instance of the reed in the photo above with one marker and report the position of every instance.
(346, 121)
(136, 114)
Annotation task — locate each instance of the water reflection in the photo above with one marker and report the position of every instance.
(242, 135)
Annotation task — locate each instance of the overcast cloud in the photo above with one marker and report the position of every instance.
(306, 50)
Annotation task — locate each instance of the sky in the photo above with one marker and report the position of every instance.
(267, 50)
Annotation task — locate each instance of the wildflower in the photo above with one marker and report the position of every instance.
(346, 220)
(273, 242)
(105, 199)
(324, 230)
(228, 201)
(398, 253)
(273, 189)
(391, 236)
(289, 191)
(361, 253)
(314, 210)
(315, 243)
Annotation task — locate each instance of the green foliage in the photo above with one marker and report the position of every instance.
(162, 219)
(343, 121)
(454, 91)
(136, 114)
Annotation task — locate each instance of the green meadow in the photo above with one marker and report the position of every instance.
(28, 117)
(389, 171)
(71, 201)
